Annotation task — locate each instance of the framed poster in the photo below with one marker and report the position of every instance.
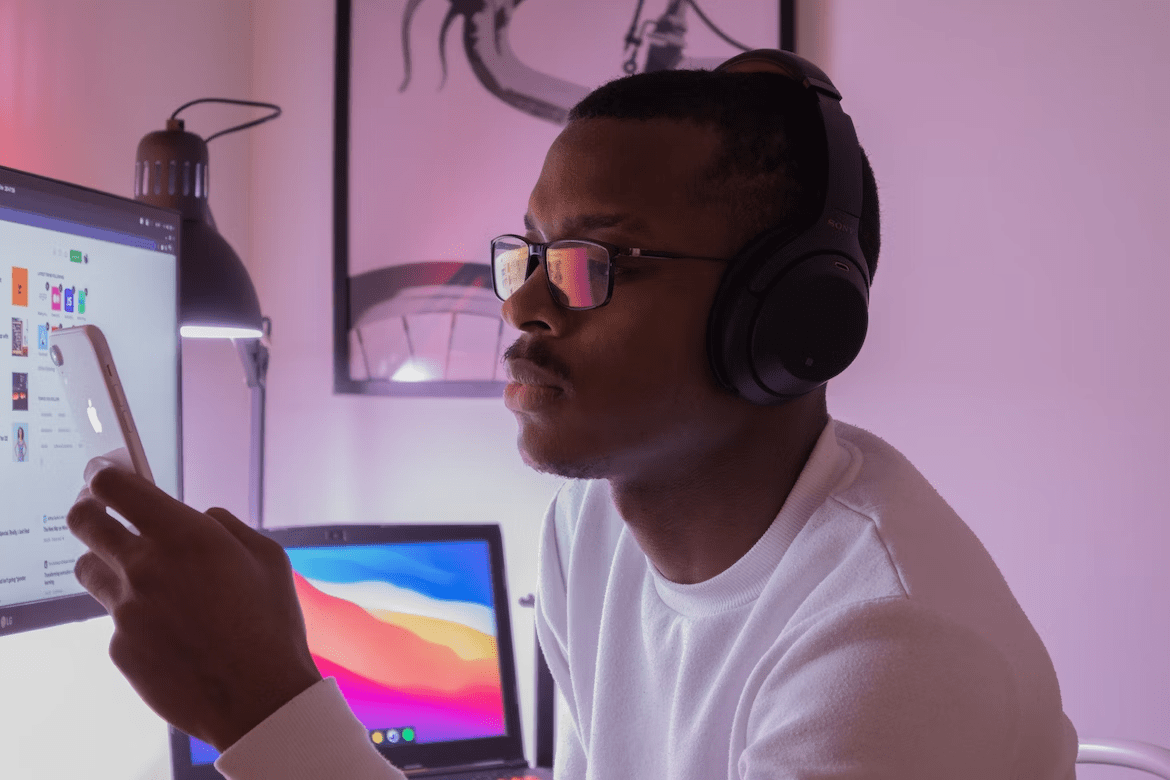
(444, 112)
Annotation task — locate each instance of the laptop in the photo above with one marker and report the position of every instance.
(443, 584)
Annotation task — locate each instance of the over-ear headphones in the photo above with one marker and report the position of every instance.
(791, 311)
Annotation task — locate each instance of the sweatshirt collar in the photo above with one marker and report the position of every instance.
(743, 581)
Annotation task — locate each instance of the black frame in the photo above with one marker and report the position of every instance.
(537, 253)
(341, 306)
(46, 613)
(344, 300)
(510, 746)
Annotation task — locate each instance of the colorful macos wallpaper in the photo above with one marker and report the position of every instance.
(409, 632)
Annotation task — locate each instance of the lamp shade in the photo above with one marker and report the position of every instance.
(216, 295)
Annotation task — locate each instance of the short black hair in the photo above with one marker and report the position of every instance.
(772, 167)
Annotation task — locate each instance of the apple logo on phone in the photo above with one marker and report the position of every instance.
(93, 418)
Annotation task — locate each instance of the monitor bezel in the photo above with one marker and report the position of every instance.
(60, 610)
(510, 746)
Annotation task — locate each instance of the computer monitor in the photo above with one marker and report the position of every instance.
(72, 256)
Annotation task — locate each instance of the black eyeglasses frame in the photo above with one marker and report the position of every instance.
(537, 253)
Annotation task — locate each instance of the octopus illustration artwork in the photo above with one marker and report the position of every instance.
(437, 162)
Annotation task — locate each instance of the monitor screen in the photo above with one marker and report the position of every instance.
(73, 256)
(410, 632)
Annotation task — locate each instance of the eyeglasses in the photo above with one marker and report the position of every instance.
(579, 272)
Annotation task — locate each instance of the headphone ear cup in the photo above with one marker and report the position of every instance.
(733, 308)
(786, 340)
(809, 325)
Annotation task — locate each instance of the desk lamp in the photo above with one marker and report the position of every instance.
(216, 296)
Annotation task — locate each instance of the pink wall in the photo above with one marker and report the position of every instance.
(1014, 352)
(1017, 347)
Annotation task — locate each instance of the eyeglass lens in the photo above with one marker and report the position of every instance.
(578, 272)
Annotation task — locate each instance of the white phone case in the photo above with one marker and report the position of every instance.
(94, 392)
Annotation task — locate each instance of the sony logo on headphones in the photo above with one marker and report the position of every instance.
(840, 226)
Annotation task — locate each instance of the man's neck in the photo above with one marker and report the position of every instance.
(697, 517)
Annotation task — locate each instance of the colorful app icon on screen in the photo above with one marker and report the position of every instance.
(20, 443)
(81, 301)
(19, 286)
(69, 299)
(19, 338)
(19, 392)
(43, 337)
(56, 298)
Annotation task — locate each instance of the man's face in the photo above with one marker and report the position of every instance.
(623, 389)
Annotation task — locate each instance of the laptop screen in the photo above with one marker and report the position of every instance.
(73, 256)
(415, 630)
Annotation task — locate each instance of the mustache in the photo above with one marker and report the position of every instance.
(537, 352)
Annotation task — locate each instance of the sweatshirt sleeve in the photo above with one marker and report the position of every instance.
(314, 736)
(883, 690)
(552, 632)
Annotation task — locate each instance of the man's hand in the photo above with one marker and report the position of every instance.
(207, 626)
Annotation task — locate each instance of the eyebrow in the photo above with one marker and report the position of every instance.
(587, 222)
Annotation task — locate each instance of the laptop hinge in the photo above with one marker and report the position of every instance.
(459, 768)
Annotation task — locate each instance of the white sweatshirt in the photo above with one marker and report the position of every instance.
(867, 635)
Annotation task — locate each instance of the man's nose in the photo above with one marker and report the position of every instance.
(532, 304)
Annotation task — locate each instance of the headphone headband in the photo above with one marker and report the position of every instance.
(796, 68)
(791, 310)
(841, 210)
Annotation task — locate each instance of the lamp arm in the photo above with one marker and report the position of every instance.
(254, 357)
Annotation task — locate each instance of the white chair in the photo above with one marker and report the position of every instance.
(1125, 752)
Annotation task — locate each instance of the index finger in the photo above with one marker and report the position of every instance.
(146, 506)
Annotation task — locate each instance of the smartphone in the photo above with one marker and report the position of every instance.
(94, 393)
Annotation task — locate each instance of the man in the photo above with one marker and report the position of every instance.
(727, 588)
